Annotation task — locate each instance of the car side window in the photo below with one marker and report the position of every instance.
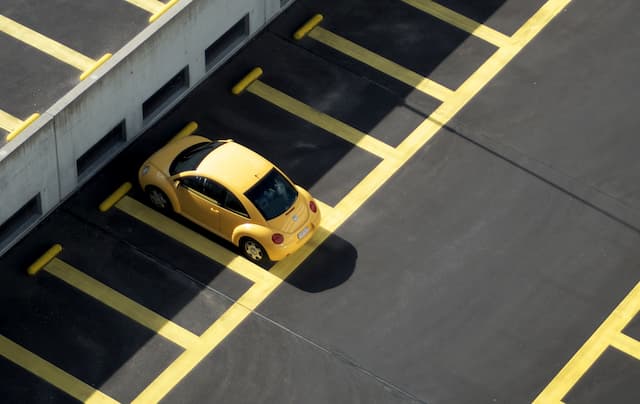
(196, 183)
(214, 191)
(206, 187)
(233, 204)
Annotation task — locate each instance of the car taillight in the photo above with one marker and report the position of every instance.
(313, 207)
(277, 238)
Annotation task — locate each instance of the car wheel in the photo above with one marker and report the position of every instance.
(254, 251)
(158, 199)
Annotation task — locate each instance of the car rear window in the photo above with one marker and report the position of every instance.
(272, 195)
(191, 157)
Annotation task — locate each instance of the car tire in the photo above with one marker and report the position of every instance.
(158, 198)
(254, 251)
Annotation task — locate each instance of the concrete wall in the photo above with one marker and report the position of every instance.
(42, 160)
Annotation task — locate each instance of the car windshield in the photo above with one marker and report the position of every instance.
(191, 157)
(272, 195)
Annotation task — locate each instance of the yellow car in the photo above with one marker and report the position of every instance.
(232, 192)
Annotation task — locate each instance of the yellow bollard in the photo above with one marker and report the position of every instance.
(247, 80)
(308, 26)
(44, 259)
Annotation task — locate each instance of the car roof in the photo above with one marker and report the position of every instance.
(234, 166)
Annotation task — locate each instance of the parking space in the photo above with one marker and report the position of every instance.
(445, 269)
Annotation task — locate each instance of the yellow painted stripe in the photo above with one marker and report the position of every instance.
(261, 290)
(163, 10)
(589, 353)
(427, 86)
(122, 304)
(462, 22)
(193, 240)
(52, 374)
(324, 121)
(538, 21)
(626, 344)
(325, 209)
(9, 122)
(46, 45)
(211, 338)
(152, 6)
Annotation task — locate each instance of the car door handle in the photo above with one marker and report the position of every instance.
(214, 210)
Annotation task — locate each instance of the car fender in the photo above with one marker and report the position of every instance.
(158, 179)
(257, 232)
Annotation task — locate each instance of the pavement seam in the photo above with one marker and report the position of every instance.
(339, 356)
(555, 178)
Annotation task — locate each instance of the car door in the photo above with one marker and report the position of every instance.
(199, 202)
(232, 214)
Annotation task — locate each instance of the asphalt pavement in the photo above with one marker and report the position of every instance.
(495, 261)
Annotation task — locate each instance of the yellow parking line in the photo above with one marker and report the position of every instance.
(44, 44)
(539, 20)
(152, 6)
(121, 303)
(609, 332)
(155, 7)
(193, 240)
(466, 24)
(626, 344)
(211, 338)
(324, 121)
(9, 122)
(52, 374)
(400, 73)
(325, 209)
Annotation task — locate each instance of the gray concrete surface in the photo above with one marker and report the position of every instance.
(472, 276)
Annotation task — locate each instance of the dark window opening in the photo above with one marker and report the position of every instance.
(219, 49)
(103, 150)
(166, 94)
(20, 220)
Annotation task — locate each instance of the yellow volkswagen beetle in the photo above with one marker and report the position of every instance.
(232, 192)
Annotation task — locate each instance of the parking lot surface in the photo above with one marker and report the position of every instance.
(475, 169)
